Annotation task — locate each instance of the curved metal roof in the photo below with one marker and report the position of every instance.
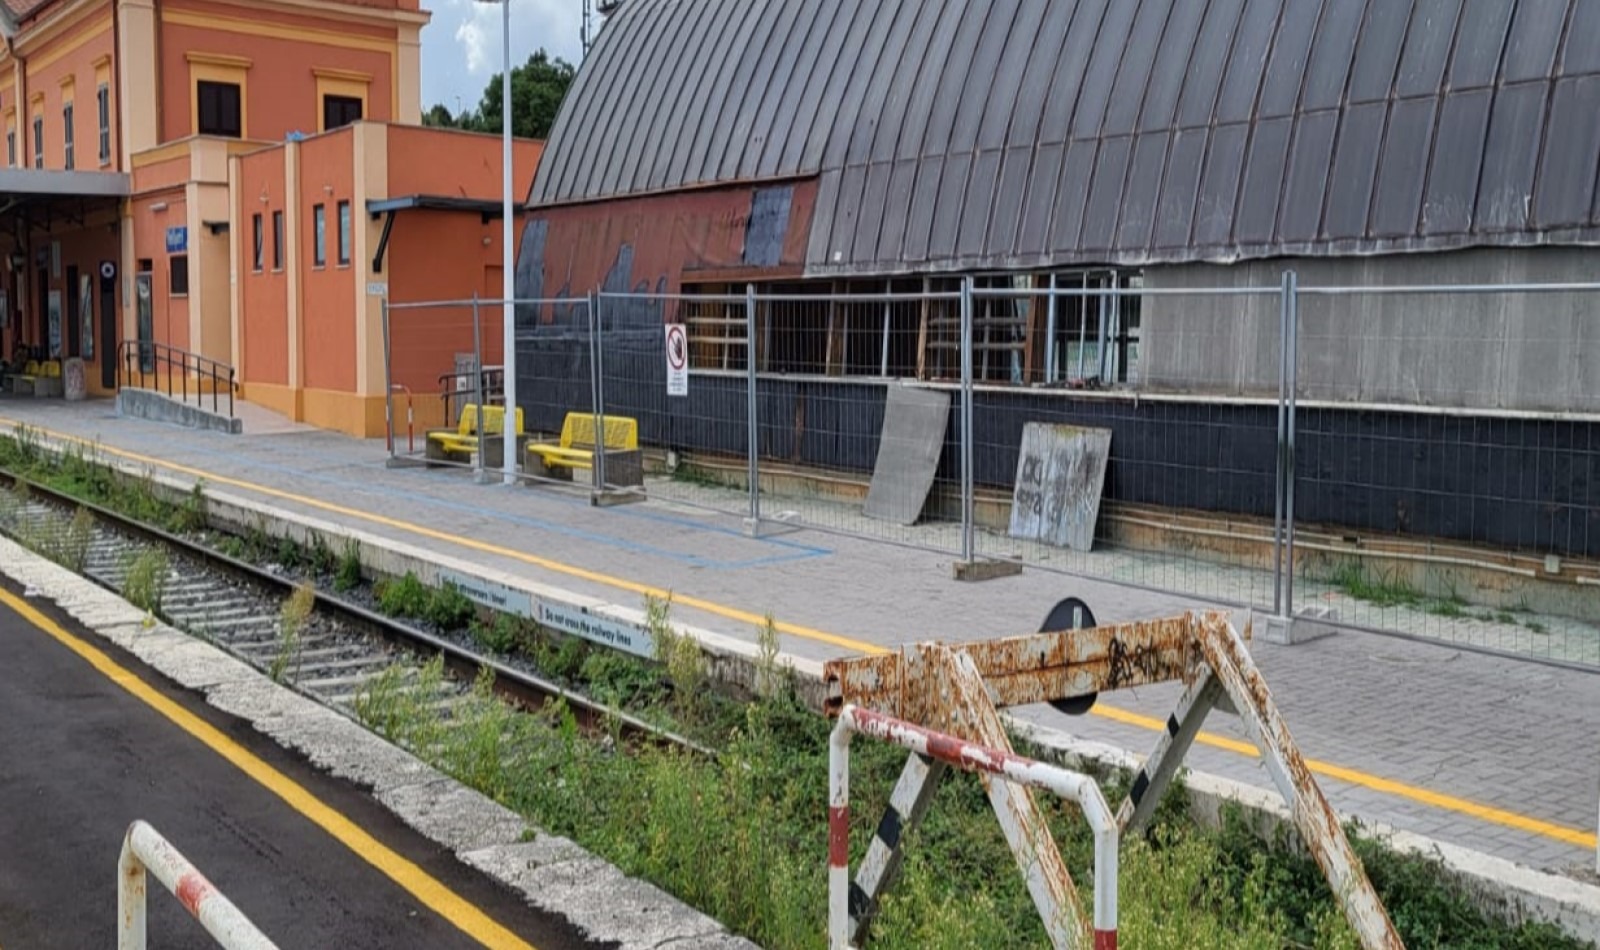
(993, 133)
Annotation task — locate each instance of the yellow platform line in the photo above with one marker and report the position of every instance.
(464, 915)
(1424, 796)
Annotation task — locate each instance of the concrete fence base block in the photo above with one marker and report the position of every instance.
(611, 499)
(1312, 623)
(986, 570)
(157, 407)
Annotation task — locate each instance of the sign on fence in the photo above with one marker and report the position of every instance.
(677, 360)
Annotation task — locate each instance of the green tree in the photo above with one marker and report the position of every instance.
(537, 88)
(439, 116)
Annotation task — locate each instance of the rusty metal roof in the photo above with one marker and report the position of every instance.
(996, 133)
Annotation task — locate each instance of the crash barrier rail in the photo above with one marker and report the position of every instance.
(143, 849)
(145, 364)
(1065, 928)
(959, 689)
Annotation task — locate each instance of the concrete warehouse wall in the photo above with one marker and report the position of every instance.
(1498, 351)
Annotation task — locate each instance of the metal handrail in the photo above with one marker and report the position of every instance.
(492, 384)
(142, 359)
(143, 849)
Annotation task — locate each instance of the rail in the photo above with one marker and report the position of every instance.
(969, 757)
(485, 390)
(148, 361)
(143, 849)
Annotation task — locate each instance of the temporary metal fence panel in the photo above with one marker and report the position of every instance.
(1103, 424)
(698, 441)
(442, 356)
(1445, 454)
(143, 849)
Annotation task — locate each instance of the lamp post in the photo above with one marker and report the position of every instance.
(508, 285)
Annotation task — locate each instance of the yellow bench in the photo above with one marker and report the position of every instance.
(40, 379)
(618, 438)
(463, 439)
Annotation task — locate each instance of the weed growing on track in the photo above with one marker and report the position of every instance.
(291, 625)
(146, 580)
(348, 576)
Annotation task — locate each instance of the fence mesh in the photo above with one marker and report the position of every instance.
(1445, 470)
(1400, 459)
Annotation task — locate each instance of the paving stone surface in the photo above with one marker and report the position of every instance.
(1427, 736)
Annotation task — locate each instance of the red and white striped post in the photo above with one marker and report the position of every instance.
(143, 849)
(969, 757)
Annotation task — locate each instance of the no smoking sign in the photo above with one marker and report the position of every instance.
(677, 360)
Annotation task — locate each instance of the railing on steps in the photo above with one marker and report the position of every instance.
(144, 365)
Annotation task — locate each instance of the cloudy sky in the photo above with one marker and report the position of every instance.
(461, 46)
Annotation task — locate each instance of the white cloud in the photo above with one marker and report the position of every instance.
(461, 46)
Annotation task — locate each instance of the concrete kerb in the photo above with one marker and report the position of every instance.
(1498, 886)
(596, 897)
(156, 407)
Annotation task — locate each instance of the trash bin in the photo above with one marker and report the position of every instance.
(74, 382)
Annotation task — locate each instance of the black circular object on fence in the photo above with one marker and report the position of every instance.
(1070, 614)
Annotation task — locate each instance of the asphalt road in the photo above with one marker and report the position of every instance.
(81, 758)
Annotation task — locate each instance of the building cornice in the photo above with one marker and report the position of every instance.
(334, 11)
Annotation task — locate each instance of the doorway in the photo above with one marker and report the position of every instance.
(108, 326)
(70, 317)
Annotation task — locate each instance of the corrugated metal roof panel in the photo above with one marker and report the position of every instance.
(964, 133)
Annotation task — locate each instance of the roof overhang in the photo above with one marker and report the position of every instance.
(38, 183)
(488, 208)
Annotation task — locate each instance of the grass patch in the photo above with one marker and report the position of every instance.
(1385, 590)
(348, 575)
(146, 581)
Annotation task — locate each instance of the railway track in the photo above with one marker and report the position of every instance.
(340, 645)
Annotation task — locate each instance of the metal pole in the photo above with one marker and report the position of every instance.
(598, 393)
(508, 262)
(839, 836)
(1050, 334)
(1282, 439)
(967, 500)
(477, 388)
(388, 378)
(887, 309)
(752, 420)
(1288, 473)
(1083, 322)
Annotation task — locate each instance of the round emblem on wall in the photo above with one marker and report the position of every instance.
(108, 270)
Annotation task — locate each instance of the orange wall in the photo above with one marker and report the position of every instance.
(69, 54)
(281, 87)
(170, 315)
(447, 162)
(327, 300)
(264, 294)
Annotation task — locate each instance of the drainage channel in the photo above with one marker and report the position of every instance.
(338, 647)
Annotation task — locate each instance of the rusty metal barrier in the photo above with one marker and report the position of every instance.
(144, 849)
(1063, 923)
(958, 689)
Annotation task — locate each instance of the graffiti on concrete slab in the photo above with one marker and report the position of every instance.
(1061, 471)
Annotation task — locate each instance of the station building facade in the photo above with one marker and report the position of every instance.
(145, 140)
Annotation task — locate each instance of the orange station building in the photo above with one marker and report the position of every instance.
(220, 177)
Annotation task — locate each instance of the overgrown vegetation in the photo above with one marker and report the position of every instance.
(348, 575)
(1389, 589)
(291, 626)
(743, 837)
